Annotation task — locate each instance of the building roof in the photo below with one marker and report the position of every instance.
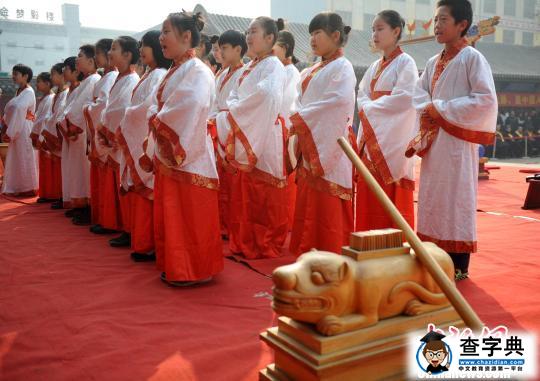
(508, 62)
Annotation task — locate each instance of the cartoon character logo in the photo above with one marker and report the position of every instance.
(435, 352)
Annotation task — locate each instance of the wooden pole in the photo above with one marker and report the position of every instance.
(463, 308)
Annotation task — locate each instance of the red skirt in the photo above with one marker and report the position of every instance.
(235, 211)
(264, 224)
(142, 223)
(371, 215)
(50, 176)
(223, 197)
(110, 216)
(125, 210)
(186, 230)
(321, 221)
(96, 173)
(291, 195)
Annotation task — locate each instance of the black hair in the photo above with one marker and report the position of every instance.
(393, 19)
(129, 45)
(45, 77)
(330, 22)
(104, 45)
(210, 58)
(460, 10)
(207, 42)
(286, 40)
(184, 21)
(151, 40)
(57, 67)
(71, 63)
(24, 70)
(235, 38)
(270, 26)
(214, 38)
(89, 51)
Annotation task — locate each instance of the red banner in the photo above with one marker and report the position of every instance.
(519, 99)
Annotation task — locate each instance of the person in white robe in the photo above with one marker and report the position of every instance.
(20, 168)
(457, 103)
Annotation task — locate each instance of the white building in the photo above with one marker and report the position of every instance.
(40, 45)
(520, 19)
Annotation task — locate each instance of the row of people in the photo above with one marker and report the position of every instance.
(179, 156)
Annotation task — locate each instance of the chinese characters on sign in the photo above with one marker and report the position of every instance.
(20, 14)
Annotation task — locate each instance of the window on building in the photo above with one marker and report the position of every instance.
(39, 45)
(12, 61)
(528, 38)
(40, 62)
(490, 6)
(11, 44)
(59, 47)
(509, 36)
(529, 8)
(346, 17)
(509, 7)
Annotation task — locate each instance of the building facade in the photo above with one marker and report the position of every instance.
(40, 45)
(520, 19)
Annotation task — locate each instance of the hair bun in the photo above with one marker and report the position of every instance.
(280, 24)
(347, 29)
(199, 22)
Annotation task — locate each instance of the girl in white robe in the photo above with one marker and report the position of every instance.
(388, 119)
(186, 216)
(284, 50)
(253, 138)
(73, 125)
(457, 103)
(52, 137)
(323, 215)
(130, 137)
(233, 46)
(20, 168)
(46, 191)
(124, 54)
(97, 154)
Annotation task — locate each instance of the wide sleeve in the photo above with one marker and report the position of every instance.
(320, 123)
(183, 114)
(16, 118)
(472, 117)
(364, 91)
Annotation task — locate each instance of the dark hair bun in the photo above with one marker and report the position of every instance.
(347, 29)
(199, 22)
(280, 24)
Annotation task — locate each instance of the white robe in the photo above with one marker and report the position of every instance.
(290, 94)
(325, 113)
(254, 141)
(77, 167)
(388, 118)
(224, 90)
(50, 132)
(20, 168)
(465, 97)
(119, 101)
(133, 131)
(183, 146)
(93, 113)
(43, 112)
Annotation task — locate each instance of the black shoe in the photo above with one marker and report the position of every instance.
(70, 213)
(187, 283)
(98, 229)
(140, 257)
(43, 200)
(82, 219)
(123, 240)
(58, 204)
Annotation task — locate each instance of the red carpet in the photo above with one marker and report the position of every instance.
(72, 308)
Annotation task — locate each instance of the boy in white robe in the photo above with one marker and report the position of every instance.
(458, 105)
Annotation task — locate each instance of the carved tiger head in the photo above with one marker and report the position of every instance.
(318, 284)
